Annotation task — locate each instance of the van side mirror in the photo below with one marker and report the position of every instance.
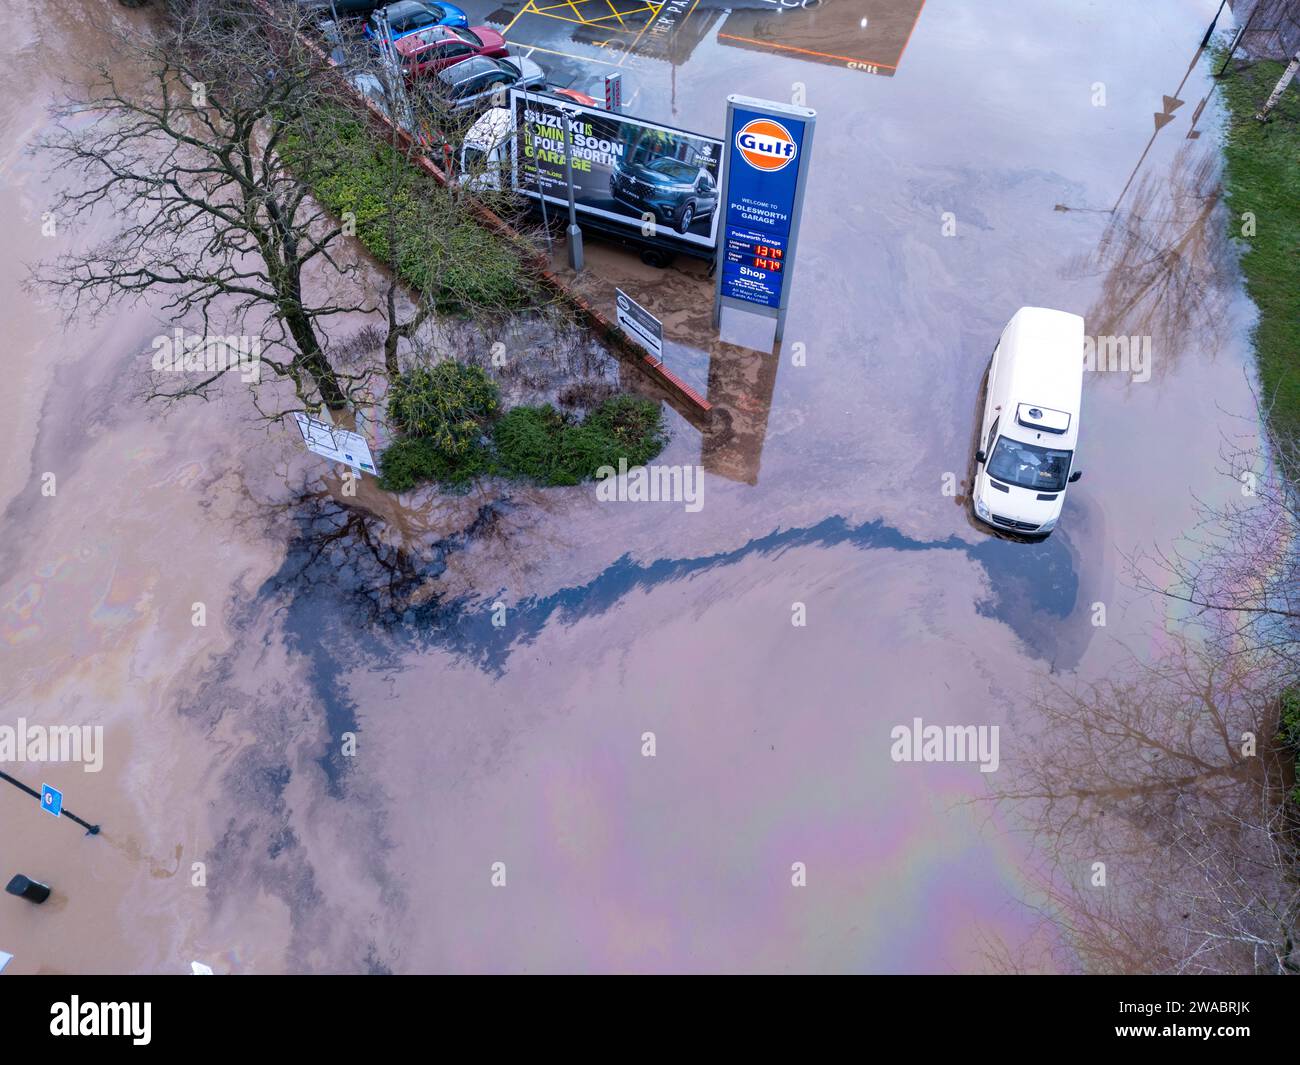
(979, 456)
(1075, 476)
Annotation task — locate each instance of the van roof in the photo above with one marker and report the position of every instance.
(492, 127)
(1045, 349)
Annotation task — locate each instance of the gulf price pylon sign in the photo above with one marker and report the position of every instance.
(767, 149)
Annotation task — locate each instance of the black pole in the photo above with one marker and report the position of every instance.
(1214, 22)
(1237, 41)
(91, 830)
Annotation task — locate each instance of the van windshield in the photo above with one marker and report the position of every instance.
(1041, 469)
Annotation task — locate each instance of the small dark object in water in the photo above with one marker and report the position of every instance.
(31, 890)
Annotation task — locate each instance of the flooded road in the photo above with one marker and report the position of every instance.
(499, 808)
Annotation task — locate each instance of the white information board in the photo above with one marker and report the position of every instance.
(335, 444)
(640, 324)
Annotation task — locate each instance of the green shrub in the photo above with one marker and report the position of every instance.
(414, 460)
(528, 440)
(539, 444)
(634, 428)
(448, 404)
(479, 270)
(553, 449)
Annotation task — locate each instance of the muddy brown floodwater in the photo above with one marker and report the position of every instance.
(521, 743)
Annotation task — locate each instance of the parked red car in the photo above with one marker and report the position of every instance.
(432, 49)
(576, 96)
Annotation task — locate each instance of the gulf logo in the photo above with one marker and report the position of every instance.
(766, 145)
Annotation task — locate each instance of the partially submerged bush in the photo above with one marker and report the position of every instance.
(554, 449)
(634, 427)
(415, 460)
(537, 443)
(528, 443)
(448, 404)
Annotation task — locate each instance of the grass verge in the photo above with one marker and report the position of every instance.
(1262, 177)
(1289, 736)
(406, 219)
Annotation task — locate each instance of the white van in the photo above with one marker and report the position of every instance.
(485, 155)
(1031, 422)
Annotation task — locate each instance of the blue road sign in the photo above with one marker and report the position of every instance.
(51, 800)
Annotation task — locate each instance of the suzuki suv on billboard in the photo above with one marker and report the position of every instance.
(675, 192)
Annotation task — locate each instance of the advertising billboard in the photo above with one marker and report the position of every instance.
(767, 161)
(626, 172)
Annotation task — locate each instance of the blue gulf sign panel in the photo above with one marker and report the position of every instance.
(763, 167)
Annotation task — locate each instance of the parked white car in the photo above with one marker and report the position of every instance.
(1030, 427)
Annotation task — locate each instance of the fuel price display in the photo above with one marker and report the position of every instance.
(752, 266)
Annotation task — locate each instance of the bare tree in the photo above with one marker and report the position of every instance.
(191, 160)
(1238, 569)
(1282, 82)
(440, 260)
(1172, 779)
(1160, 262)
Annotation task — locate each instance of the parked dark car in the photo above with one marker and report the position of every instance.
(676, 192)
(345, 8)
(472, 83)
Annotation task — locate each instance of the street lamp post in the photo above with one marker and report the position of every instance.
(575, 234)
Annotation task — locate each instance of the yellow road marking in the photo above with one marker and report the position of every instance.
(650, 7)
(522, 11)
(567, 55)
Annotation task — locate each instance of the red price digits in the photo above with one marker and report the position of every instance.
(765, 252)
(774, 265)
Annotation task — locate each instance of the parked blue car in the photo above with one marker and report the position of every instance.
(411, 16)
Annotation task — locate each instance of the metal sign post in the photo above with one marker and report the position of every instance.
(767, 151)
(51, 801)
(614, 92)
(575, 234)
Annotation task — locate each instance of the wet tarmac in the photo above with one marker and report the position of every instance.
(500, 655)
